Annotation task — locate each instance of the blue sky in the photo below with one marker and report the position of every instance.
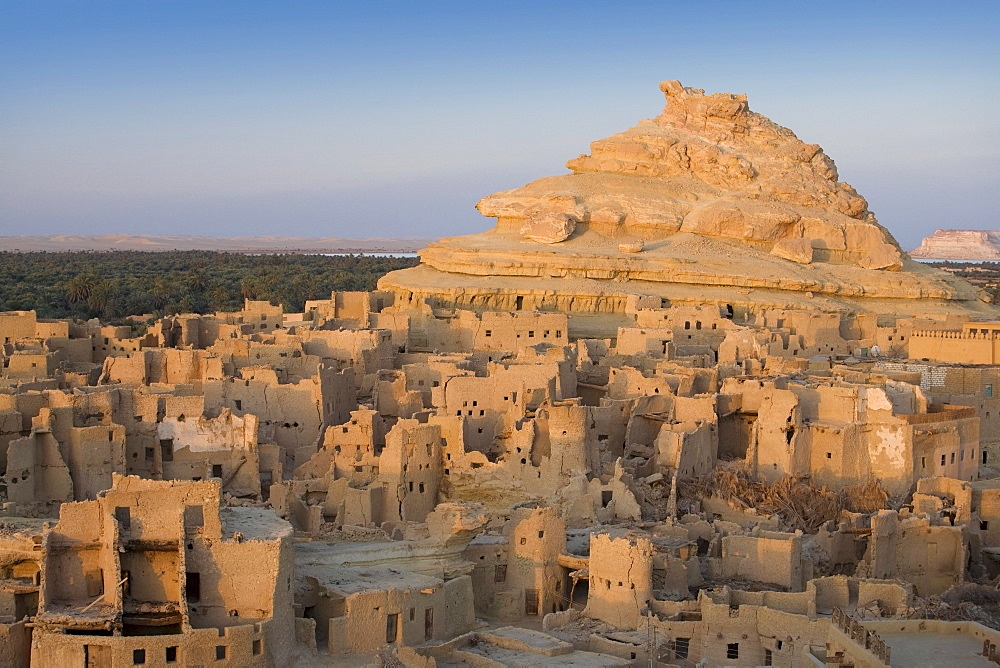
(394, 118)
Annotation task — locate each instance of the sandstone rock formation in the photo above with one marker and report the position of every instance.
(728, 206)
(796, 250)
(960, 245)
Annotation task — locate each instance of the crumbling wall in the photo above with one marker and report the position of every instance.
(766, 557)
(410, 470)
(621, 577)
(224, 447)
(535, 584)
(932, 558)
(36, 470)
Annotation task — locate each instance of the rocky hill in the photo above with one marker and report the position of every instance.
(709, 202)
(960, 245)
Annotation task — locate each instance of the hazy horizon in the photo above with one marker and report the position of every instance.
(386, 120)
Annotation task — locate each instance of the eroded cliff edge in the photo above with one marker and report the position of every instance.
(707, 202)
(960, 245)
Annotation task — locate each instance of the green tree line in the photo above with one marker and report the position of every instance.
(114, 285)
(985, 275)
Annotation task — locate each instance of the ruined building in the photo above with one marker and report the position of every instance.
(688, 404)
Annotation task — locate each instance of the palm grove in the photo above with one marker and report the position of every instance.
(114, 285)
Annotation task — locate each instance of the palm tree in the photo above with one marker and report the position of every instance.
(101, 295)
(160, 293)
(78, 288)
(196, 280)
(219, 297)
(249, 289)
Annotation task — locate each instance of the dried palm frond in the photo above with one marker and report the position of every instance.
(798, 501)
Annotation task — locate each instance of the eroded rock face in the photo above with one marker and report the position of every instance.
(709, 201)
(548, 227)
(960, 245)
(710, 166)
(796, 250)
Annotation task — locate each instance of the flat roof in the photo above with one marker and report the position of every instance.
(346, 581)
(253, 523)
(926, 649)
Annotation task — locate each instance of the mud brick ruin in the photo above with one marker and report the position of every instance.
(688, 404)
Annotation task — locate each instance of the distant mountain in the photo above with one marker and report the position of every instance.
(959, 245)
(269, 244)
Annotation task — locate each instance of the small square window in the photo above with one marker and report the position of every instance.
(138, 657)
(984, 525)
(524, 541)
(220, 652)
(733, 650)
(171, 655)
(829, 455)
(256, 647)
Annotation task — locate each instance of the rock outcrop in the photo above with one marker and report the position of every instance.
(960, 245)
(708, 202)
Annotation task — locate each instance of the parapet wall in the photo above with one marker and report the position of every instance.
(955, 346)
(243, 645)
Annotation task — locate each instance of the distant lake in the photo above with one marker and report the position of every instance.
(929, 260)
(375, 254)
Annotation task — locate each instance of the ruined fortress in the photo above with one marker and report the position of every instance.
(688, 404)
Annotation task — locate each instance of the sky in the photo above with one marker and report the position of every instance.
(393, 119)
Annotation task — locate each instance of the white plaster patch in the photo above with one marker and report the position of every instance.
(204, 435)
(891, 446)
(878, 400)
